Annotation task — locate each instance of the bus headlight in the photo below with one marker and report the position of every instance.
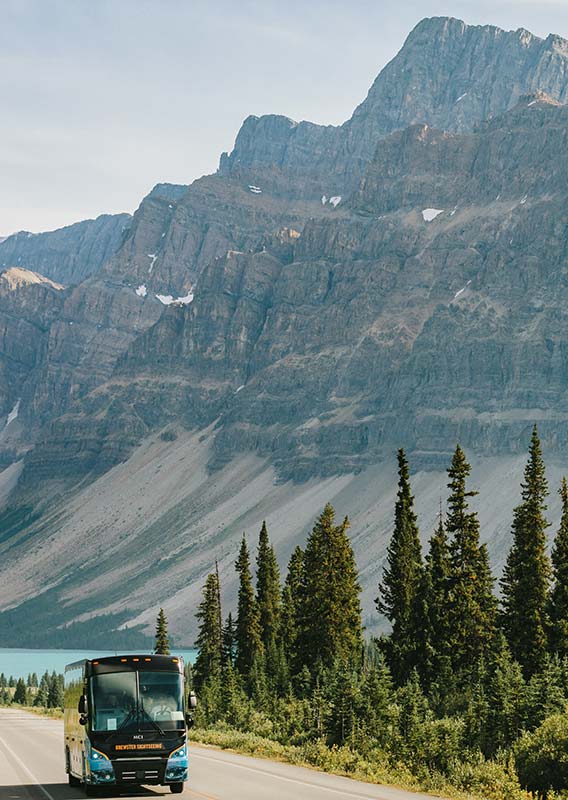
(177, 766)
(181, 752)
(100, 767)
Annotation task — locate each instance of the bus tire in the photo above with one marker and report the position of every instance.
(176, 788)
(90, 791)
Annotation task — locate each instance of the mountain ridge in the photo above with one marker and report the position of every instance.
(347, 290)
(68, 254)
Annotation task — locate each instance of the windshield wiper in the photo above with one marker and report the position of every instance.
(151, 721)
(124, 722)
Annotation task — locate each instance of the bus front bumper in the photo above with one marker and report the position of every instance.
(151, 771)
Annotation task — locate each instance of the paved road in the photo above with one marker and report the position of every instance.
(31, 768)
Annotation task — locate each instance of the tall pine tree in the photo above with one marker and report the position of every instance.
(559, 592)
(291, 594)
(472, 606)
(399, 591)
(20, 693)
(209, 639)
(247, 634)
(435, 664)
(329, 607)
(229, 641)
(527, 573)
(162, 646)
(267, 590)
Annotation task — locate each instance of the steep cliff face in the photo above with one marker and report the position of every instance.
(448, 75)
(67, 255)
(29, 303)
(172, 240)
(280, 175)
(429, 308)
(329, 295)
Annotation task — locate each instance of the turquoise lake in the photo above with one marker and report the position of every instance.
(19, 663)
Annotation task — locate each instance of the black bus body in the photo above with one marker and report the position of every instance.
(126, 722)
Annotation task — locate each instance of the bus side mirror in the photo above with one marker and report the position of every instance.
(82, 719)
(82, 705)
(192, 700)
(189, 721)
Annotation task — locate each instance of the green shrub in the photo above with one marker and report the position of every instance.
(542, 756)
(488, 779)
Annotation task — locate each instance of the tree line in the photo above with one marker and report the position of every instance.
(46, 692)
(463, 685)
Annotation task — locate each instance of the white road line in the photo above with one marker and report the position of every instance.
(344, 792)
(19, 761)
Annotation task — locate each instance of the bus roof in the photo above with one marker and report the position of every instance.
(76, 664)
(126, 663)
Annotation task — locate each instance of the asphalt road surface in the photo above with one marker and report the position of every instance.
(31, 768)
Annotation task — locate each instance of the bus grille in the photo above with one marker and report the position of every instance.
(140, 775)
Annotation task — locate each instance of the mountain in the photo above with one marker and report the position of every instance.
(67, 255)
(29, 304)
(264, 339)
(448, 75)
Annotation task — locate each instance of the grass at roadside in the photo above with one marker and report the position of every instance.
(484, 781)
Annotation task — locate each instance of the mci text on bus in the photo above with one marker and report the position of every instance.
(126, 722)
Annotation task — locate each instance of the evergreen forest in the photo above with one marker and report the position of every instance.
(467, 694)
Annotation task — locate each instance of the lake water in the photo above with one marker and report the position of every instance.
(20, 663)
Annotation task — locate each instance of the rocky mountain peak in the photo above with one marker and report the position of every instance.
(16, 277)
(448, 75)
(557, 44)
(396, 280)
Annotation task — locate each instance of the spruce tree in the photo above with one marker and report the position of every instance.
(527, 573)
(292, 592)
(472, 606)
(55, 695)
(267, 590)
(377, 692)
(559, 592)
(43, 691)
(20, 692)
(247, 633)
(400, 588)
(506, 691)
(435, 664)
(546, 692)
(162, 646)
(329, 608)
(209, 639)
(229, 646)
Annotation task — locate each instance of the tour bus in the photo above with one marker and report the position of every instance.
(126, 722)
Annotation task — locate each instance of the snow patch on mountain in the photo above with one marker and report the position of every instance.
(462, 290)
(430, 214)
(13, 414)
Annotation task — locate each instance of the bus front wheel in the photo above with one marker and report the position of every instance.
(176, 788)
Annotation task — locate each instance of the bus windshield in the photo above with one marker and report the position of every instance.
(133, 701)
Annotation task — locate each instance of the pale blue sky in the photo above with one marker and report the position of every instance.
(101, 99)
